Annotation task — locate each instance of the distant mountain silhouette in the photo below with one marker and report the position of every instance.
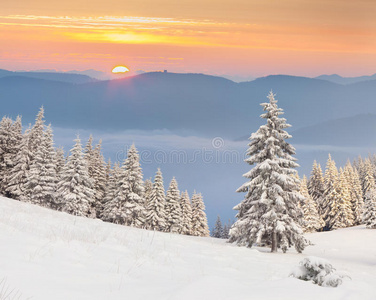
(53, 76)
(346, 80)
(196, 103)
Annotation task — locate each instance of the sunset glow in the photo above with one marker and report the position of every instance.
(233, 38)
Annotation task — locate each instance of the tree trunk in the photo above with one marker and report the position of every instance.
(274, 242)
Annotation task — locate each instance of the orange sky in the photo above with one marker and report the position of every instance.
(244, 38)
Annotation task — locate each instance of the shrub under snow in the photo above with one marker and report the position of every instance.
(319, 271)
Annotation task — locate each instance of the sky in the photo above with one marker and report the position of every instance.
(239, 38)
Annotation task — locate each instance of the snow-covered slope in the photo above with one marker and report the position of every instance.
(51, 255)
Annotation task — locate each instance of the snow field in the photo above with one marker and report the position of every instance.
(52, 255)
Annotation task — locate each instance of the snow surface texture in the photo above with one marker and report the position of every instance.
(47, 254)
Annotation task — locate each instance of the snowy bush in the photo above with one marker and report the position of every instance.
(319, 271)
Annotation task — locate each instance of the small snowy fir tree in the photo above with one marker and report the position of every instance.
(226, 230)
(186, 210)
(99, 176)
(356, 195)
(218, 229)
(270, 213)
(369, 212)
(17, 177)
(155, 210)
(199, 221)
(148, 187)
(75, 188)
(340, 215)
(10, 139)
(331, 195)
(60, 161)
(36, 134)
(319, 271)
(312, 220)
(111, 187)
(43, 178)
(367, 176)
(316, 187)
(173, 208)
(127, 208)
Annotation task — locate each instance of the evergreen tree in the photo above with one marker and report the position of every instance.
(5, 129)
(199, 221)
(10, 139)
(186, 210)
(226, 230)
(355, 189)
(369, 213)
(60, 161)
(173, 208)
(98, 174)
(368, 179)
(312, 220)
(42, 180)
(218, 229)
(36, 134)
(316, 187)
(148, 187)
(111, 187)
(340, 214)
(127, 207)
(270, 211)
(75, 188)
(17, 177)
(155, 211)
(331, 196)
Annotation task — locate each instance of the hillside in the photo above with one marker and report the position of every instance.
(51, 255)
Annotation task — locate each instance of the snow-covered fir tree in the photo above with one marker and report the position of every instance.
(316, 187)
(5, 129)
(331, 195)
(369, 212)
(226, 230)
(186, 210)
(111, 187)
(173, 208)
(367, 177)
(42, 176)
(98, 173)
(127, 207)
(18, 175)
(36, 133)
(218, 229)
(356, 196)
(312, 220)
(270, 211)
(75, 189)
(148, 187)
(60, 161)
(340, 214)
(10, 139)
(155, 210)
(199, 221)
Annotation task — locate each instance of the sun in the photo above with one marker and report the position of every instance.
(120, 70)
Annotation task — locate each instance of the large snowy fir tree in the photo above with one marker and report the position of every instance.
(270, 212)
